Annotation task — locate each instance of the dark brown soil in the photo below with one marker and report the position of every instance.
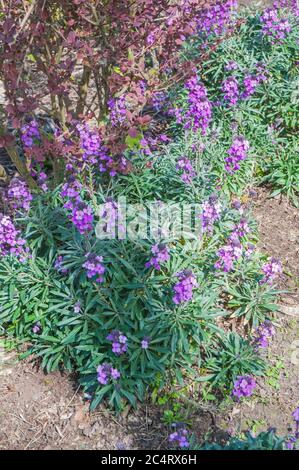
(49, 412)
(278, 223)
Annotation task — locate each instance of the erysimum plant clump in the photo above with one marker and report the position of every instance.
(77, 283)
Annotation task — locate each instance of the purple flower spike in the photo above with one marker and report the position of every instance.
(106, 373)
(271, 270)
(184, 288)
(244, 386)
(161, 255)
(263, 334)
(186, 167)
(94, 267)
(180, 438)
(119, 342)
(230, 89)
(237, 153)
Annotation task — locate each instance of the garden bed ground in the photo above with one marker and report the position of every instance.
(48, 412)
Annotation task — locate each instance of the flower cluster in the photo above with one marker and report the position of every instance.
(94, 267)
(272, 269)
(293, 439)
(233, 250)
(145, 342)
(231, 65)
(230, 88)
(90, 143)
(37, 328)
(82, 217)
(58, 265)
(251, 82)
(18, 195)
(185, 166)
(159, 99)
(106, 373)
(295, 415)
(180, 438)
(77, 307)
(118, 110)
(81, 213)
(216, 18)
(71, 190)
(150, 143)
(119, 342)
(109, 212)
(10, 243)
(263, 334)
(199, 113)
(30, 134)
(273, 26)
(184, 288)
(93, 150)
(237, 152)
(161, 255)
(244, 386)
(211, 210)
(41, 181)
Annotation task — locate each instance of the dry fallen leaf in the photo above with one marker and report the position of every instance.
(3, 174)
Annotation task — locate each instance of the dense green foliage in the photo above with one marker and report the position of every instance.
(186, 340)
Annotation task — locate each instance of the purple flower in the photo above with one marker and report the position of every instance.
(58, 265)
(186, 167)
(161, 255)
(37, 328)
(228, 254)
(249, 250)
(93, 150)
(90, 143)
(18, 195)
(77, 307)
(109, 212)
(82, 217)
(145, 342)
(272, 269)
(106, 373)
(230, 89)
(274, 26)
(159, 100)
(233, 250)
(30, 134)
(41, 180)
(94, 267)
(263, 334)
(180, 438)
(10, 243)
(290, 443)
(118, 111)
(295, 414)
(231, 65)
(244, 386)
(216, 18)
(199, 113)
(237, 153)
(71, 190)
(251, 82)
(211, 210)
(184, 288)
(241, 229)
(119, 342)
